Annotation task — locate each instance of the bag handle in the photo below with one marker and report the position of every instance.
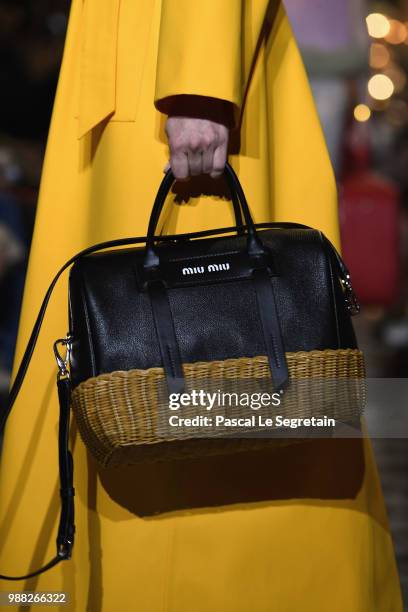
(237, 213)
(66, 530)
(254, 244)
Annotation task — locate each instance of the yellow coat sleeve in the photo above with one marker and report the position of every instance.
(199, 51)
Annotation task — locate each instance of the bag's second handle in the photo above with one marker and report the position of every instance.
(254, 244)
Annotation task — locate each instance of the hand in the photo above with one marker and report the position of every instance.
(197, 146)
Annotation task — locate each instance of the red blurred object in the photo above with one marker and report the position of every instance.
(370, 228)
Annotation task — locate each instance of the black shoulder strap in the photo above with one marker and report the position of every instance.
(66, 529)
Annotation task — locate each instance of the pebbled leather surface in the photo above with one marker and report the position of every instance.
(112, 323)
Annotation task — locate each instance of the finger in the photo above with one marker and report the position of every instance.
(219, 160)
(179, 165)
(208, 160)
(167, 167)
(195, 162)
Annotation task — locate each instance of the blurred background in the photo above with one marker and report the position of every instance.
(356, 55)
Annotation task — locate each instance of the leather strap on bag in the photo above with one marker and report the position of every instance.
(66, 529)
(169, 348)
(268, 313)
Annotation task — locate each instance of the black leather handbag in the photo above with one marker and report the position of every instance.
(240, 309)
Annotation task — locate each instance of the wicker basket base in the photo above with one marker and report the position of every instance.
(123, 416)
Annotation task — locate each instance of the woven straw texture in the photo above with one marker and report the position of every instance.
(123, 416)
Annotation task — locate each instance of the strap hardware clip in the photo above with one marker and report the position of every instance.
(63, 362)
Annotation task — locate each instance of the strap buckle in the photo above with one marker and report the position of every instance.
(63, 362)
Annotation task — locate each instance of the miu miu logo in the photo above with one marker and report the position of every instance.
(214, 267)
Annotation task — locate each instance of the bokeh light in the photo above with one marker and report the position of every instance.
(397, 34)
(380, 87)
(378, 25)
(379, 56)
(362, 113)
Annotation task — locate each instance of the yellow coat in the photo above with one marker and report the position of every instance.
(300, 529)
